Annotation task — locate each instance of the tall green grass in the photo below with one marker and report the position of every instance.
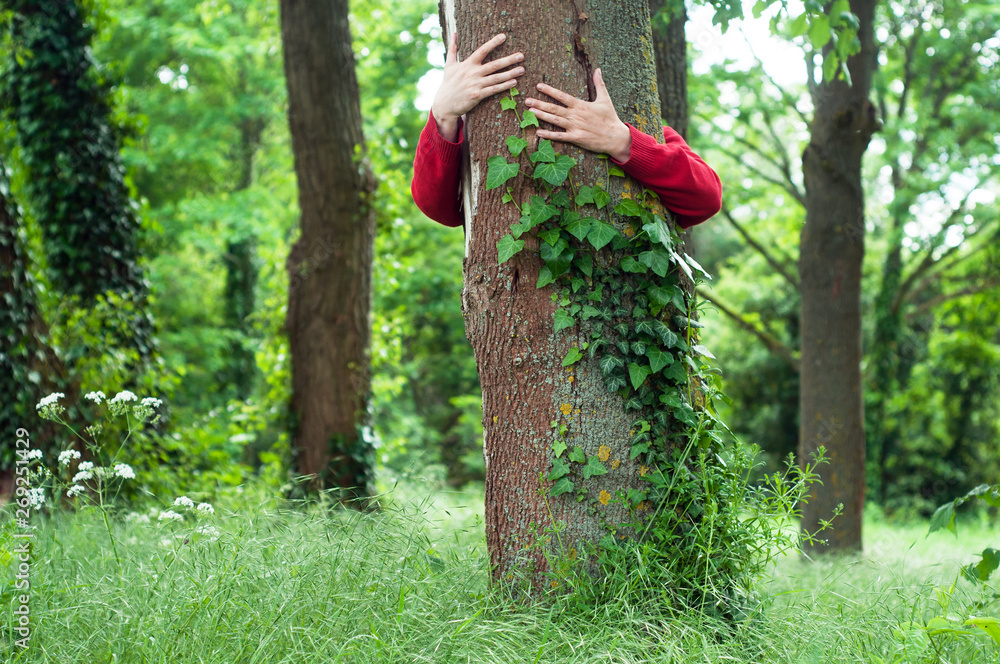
(409, 584)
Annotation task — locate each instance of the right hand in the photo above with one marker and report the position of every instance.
(468, 82)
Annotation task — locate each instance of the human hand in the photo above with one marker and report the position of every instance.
(468, 82)
(591, 125)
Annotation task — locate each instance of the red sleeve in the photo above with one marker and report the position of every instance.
(686, 185)
(437, 175)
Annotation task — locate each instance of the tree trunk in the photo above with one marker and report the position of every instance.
(670, 48)
(29, 369)
(527, 393)
(832, 249)
(330, 266)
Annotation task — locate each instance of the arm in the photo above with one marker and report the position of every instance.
(437, 174)
(686, 185)
(437, 164)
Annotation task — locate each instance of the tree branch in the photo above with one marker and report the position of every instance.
(941, 298)
(773, 262)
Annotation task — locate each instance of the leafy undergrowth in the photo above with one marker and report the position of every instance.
(260, 583)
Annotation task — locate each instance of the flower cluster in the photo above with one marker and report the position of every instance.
(49, 408)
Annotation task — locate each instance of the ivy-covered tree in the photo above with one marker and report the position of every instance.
(76, 187)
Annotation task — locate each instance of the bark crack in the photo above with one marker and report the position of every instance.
(580, 53)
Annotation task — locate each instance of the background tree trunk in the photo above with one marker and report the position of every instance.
(508, 320)
(330, 266)
(670, 48)
(830, 261)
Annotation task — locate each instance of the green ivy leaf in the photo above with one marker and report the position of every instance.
(658, 358)
(586, 264)
(630, 264)
(507, 104)
(507, 247)
(611, 362)
(585, 195)
(614, 169)
(944, 517)
(601, 197)
(540, 211)
(637, 374)
(506, 198)
(634, 403)
(629, 208)
(561, 199)
(576, 225)
(614, 382)
(577, 455)
(563, 320)
(601, 233)
(528, 120)
(545, 153)
(550, 236)
(657, 259)
(559, 447)
(544, 276)
(564, 485)
(498, 172)
(658, 232)
(641, 448)
(572, 357)
(521, 227)
(701, 350)
(555, 173)
(659, 297)
(594, 468)
(516, 144)
(559, 468)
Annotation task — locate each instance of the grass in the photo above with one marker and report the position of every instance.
(410, 585)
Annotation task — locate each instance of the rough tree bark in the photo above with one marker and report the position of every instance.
(670, 47)
(830, 261)
(508, 321)
(330, 266)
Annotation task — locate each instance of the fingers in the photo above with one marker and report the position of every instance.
(484, 50)
(560, 136)
(500, 87)
(558, 95)
(452, 56)
(502, 63)
(503, 76)
(537, 105)
(599, 87)
(551, 118)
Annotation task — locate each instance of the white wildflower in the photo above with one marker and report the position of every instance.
(152, 402)
(96, 397)
(83, 476)
(170, 515)
(36, 497)
(85, 465)
(119, 403)
(74, 491)
(49, 407)
(184, 501)
(206, 508)
(66, 456)
(124, 471)
(33, 454)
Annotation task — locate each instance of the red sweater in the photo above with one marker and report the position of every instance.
(686, 185)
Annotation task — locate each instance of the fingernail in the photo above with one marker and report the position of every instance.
(502, 37)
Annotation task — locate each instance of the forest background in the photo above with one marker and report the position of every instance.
(200, 98)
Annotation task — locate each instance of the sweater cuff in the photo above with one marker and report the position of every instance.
(448, 151)
(643, 155)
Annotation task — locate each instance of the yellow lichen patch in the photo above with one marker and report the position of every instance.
(570, 379)
(494, 419)
(643, 471)
(615, 463)
(644, 505)
(554, 583)
(566, 408)
(572, 553)
(603, 452)
(629, 231)
(604, 497)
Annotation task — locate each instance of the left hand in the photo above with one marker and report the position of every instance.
(591, 125)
